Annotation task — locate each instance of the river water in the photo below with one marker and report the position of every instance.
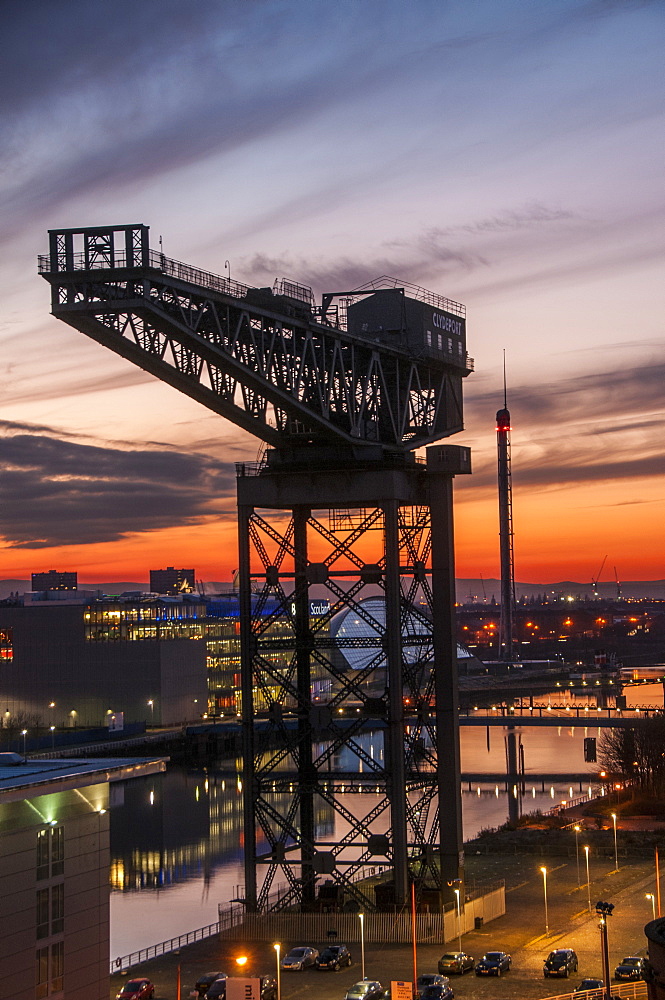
(177, 838)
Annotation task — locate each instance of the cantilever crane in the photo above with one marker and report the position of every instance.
(343, 398)
(596, 580)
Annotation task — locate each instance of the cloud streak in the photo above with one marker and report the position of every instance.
(65, 492)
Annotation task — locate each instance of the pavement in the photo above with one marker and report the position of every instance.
(521, 932)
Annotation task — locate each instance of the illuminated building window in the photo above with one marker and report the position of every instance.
(6, 644)
(42, 915)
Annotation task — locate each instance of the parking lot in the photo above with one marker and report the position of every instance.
(521, 932)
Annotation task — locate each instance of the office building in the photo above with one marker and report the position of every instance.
(54, 580)
(172, 581)
(90, 659)
(54, 875)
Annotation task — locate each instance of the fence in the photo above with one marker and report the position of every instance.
(393, 928)
(627, 991)
(163, 948)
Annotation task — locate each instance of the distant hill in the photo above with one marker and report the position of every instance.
(477, 591)
(468, 590)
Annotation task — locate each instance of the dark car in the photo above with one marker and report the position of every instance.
(217, 989)
(430, 979)
(630, 968)
(205, 981)
(561, 962)
(334, 957)
(493, 963)
(456, 961)
(366, 989)
(136, 989)
(438, 991)
(299, 959)
(268, 988)
(589, 984)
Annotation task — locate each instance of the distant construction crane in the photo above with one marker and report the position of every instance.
(618, 583)
(596, 580)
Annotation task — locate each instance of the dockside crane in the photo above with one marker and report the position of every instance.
(343, 393)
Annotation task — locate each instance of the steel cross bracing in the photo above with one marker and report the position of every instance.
(266, 362)
(336, 718)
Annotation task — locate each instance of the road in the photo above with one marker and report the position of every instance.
(521, 932)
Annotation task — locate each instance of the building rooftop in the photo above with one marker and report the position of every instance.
(28, 778)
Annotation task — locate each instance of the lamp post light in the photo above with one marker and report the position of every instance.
(459, 922)
(577, 854)
(588, 881)
(52, 737)
(361, 917)
(24, 733)
(152, 721)
(544, 871)
(651, 896)
(616, 855)
(241, 962)
(278, 950)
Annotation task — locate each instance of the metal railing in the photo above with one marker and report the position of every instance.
(124, 962)
(626, 991)
(154, 260)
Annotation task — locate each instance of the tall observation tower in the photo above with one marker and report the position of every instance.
(506, 651)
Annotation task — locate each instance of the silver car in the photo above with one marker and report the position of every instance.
(299, 959)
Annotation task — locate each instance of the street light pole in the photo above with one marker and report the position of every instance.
(577, 854)
(651, 896)
(604, 910)
(361, 917)
(616, 855)
(152, 712)
(24, 733)
(588, 882)
(278, 949)
(544, 871)
(52, 737)
(459, 922)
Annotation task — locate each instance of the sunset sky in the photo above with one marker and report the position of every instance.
(509, 155)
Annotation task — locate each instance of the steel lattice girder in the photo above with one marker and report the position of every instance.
(282, 377)
(280, 706)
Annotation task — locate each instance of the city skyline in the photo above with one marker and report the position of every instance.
(507, 156)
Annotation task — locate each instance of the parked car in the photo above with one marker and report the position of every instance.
(299, 959)
(203, 983)
(217, 989)
(438, 991)
(561, 962)
(366, 989)
(493, 963)
(136, 989)
(268, 988)
(589, 984)
(630, 968)
(430, 979)
(456, 961)
(334, 957)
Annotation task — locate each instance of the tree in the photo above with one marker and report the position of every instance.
(636, 754)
